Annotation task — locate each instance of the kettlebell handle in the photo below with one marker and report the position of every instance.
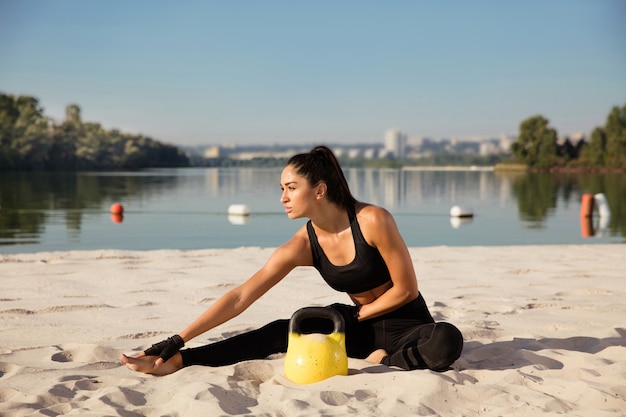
(316, 312)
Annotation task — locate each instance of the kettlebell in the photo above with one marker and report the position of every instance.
(316, 356)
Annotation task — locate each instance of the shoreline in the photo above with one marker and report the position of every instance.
(542, 324)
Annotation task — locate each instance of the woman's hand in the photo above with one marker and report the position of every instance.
(165, 349)
(350, 313)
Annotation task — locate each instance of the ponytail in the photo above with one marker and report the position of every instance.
(321, 165)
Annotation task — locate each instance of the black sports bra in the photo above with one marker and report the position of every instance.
(366, 271)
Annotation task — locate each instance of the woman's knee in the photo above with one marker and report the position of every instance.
(443, 347)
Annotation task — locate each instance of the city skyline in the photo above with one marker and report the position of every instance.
(194, 73)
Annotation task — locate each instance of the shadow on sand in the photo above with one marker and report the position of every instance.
(520, 352)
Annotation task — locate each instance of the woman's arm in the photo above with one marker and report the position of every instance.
(380, 230)
(234, 302)
(294, 253)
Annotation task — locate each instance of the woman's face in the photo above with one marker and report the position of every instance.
(297, 195)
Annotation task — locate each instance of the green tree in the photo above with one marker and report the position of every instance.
(23, 133)
(536, 145)
(31, 140)
(567, 150)
(607, 146)
(615, 130)
(72, 114)
(62, 152)
(8, 116)
(90, 149)
(594, 153)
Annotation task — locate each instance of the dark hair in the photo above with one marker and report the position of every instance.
(321, 165)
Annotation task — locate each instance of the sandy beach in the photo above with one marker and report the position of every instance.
(544, 330)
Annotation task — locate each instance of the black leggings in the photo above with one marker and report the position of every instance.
(409, 334)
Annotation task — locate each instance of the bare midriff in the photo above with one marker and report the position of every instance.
(369, 296)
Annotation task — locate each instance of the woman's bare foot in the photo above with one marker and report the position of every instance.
(376, 356)
(145, 364)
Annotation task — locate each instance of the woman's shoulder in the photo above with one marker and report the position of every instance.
(374, 222)
(377, 225)
(371, 213)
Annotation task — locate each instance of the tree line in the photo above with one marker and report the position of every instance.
(537, 146)
(30, 141)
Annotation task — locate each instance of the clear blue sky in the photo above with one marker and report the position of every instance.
(253, 72)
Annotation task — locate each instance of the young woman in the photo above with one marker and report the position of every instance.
(357, 249)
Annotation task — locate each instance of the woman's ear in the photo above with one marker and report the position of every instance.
(320, 190)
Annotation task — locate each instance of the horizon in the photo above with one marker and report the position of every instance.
(203, 72)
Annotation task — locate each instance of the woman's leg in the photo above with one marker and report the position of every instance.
(432, 345)
(256, 344)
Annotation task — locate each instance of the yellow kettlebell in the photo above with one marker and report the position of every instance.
(316, 356)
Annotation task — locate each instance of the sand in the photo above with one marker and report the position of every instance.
(544, 329)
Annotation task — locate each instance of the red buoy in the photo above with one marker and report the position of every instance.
(116, 208)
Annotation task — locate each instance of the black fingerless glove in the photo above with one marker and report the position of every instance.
(166, 348)
(349, 313)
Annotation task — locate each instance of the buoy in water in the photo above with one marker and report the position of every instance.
(457, 222)
(458, 211)
(586, 205)
(238, 220)
(586, 226)
(602, 205)
(238, 210)
(116, 208)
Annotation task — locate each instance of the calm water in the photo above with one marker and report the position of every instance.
(187, 208)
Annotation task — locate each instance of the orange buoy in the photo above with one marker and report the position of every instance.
(116, 208)
(586, 226)
(586, 208)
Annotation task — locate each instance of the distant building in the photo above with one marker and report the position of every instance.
(395, 143)
(506, 141)
(369, 153)
(212, 152)
(488, 148)
(415, 142)
(354, 153)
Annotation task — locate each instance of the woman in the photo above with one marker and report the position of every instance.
(357, 249)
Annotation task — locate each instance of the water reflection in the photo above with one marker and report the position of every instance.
(31, 203)
(400, 189)
(537, 196)
(457, 222)
(30, 200)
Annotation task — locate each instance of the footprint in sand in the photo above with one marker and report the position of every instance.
(70, 308)
(7, 369)
(294, 406)
(142, 335)
(254, 371)
(108, 390)
(93, 356)
(7, 394)
(333, 398)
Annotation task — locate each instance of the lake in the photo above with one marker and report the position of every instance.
(188, 208)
